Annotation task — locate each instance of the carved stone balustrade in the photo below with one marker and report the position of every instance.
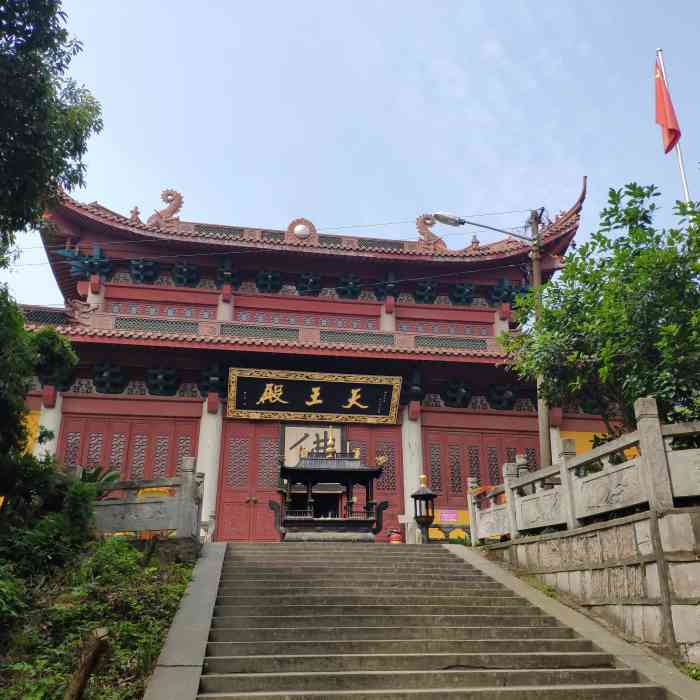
(648, 467)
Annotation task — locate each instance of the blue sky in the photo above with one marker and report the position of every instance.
(366, 112)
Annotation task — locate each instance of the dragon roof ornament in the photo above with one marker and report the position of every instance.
(302, 234)
(166, 216)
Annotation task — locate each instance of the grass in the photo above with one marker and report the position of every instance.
(542, 587)
(106, 587)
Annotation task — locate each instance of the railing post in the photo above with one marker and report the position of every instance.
(567, 482)
(654, 462)
(186, 505)
(471, 506)
(510, 474)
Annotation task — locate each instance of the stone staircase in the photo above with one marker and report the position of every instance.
(373, 621)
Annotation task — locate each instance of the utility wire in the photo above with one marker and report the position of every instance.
(325, 229)
(208, 253)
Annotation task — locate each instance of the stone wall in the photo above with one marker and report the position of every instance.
(641, 573)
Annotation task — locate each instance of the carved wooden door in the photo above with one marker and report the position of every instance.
(247, 481)
(451, 457)
(446, 459)
(265, 473)
(383, 443)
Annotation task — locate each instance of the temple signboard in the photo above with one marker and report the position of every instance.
(262, 394)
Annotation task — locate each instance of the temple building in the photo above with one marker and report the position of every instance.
(251, 349)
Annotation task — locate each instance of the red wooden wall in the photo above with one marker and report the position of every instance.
(140, 448)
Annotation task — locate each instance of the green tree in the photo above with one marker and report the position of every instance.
(45, 123)
(622, 319)
(45, 117)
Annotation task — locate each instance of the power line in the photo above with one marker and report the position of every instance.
(323, 230)
(56, 249)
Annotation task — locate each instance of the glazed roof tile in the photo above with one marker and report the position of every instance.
(555, 236)
(78, 332)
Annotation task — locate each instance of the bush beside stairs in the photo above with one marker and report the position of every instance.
(306, 621)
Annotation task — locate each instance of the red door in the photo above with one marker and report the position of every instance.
(384, 443)
(451, 457)
(248, 477)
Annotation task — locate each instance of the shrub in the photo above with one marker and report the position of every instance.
(109, 588)
(113, 560)
(54, 538)
(12, 596)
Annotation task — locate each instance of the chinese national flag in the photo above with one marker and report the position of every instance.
(665, 114)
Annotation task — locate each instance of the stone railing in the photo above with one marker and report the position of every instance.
(639, 469)
(155, 505)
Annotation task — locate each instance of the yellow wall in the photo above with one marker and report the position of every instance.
(462, 519)
(32, 423)
(584, 441)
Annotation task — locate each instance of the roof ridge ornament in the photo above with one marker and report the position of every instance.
(301, 230)
(166, 216)
(135, 217)
(429, 242)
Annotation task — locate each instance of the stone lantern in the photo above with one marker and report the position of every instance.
(424, 507)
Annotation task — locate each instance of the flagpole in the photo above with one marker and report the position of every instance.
(679, 153)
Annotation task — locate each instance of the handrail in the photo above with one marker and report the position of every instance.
(621, 443)
(565, 495)
(532, 477)
(676, 429)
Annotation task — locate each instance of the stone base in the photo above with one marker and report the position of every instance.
(327, 536)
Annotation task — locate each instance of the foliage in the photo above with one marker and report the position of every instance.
(16, 370)
(694, 671)
(108, 588)
(45, 117)
(54, 358)
(12, 596)
(23, 355)
(53, 538)
(102, 479)
(622, 320)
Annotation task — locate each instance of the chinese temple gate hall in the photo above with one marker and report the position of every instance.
(247, 347)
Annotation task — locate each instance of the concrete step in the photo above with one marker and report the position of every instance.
(272, 589)
(565, 692)
(375, 680)
(343, 546)
(362, 598)
(357, 578)
(380, 620)
(395, 646)
(316, 559)
(298, 663)
(368, 610)
(283, 553)
(220, 632)
(352, 621)
(355, 574)
(362, 565)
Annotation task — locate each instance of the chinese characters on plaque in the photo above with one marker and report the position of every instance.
(312, 396)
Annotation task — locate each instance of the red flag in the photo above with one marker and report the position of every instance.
(665, 114)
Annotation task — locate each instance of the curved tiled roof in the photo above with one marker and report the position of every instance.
(556, 236)
(86, 333)
(44, 315)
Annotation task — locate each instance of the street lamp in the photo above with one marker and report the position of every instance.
(424, 507)
(535, 241)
